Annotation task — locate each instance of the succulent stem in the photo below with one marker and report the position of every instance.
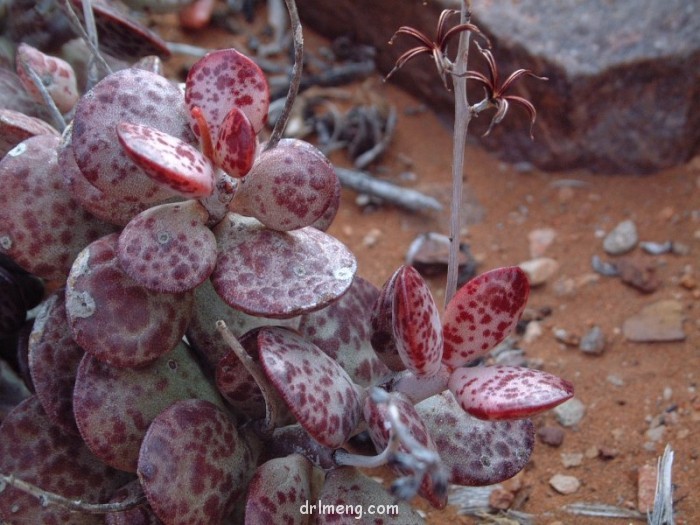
(295, 81)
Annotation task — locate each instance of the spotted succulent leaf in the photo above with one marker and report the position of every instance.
(42, 228)
(169, 248)
(476, 452)
(39, 452)
(317, 390)
(129, 95)
(116, 319)
(507, 392)
(482, 313)
(279, 274)
(193, 465)
(341, 330)
(53, 362)
(114, 406)
(56, 75)
(16, 127)
(224, 79)
(167, 160)
(417, 327)
(382, 326)
(289, 186)
(236, 144)
(279, 488)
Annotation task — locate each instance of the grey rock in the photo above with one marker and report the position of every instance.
(593, 341)
(564, 484)
(623, 76)
(659, 321)
(621, 239)
(570, 413)
(552, 436)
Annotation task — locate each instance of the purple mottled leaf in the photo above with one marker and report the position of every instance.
(16, 127)
(382, 326)
(507, 392)
(317, 390)
(169, 248)
(324, 221)
(37, 451)
(278, 490)
(167, 160)
(129, 95)
(349, 495)
(341, 330)
(224, 79)
(417, 327)
(53, 362)
(376, 416)
(114, 406)
(476, 452)
(482, 313)
(116, 319)
(57, 77)
(193, 465)
(235, 146)
(289, 186)
(279, 274)
(42, 228)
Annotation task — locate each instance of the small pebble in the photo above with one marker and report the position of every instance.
(564, 484)
(659, 321)
(570, 413)
(539, 270)
(621, 239)
(571, 459)
(656, 434)
(615, 380)
(540, 239)
(552, 436)
(638, 275)
(501, 499)
(532, 332)
(593, 341)
(646, 488)
(566, 337)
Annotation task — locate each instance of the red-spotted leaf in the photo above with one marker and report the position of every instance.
(57, 77)
(236, 143)
(193, 465)
(324, 221)
(167, 160)
(224, 79)
(317, 390)
(36, 451)
(349, 494)
(507, 392)
(341, 330)
(116, 319)
(382, 326)
(482, 313)
(476, 452)
(42, 228)
(114, 406)
(169, 248)
(279, 274)
(16, 127)
(417, 327)
(278, 490)
(53, 362)
(290, 186)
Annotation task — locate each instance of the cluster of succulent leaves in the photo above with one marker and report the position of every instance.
(207, 344)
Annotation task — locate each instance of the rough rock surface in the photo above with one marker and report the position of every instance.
(624, 88)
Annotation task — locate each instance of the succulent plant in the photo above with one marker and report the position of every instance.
(209, 353)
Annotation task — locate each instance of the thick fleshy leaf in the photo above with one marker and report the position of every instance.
(129, 95)
(57, 77)
(210, 308)
(376, 416)
(279, 274)
(13, 96)
(16, 127)
(507, 392)
(382, 326)
(324, 221)
(236, 143)
(169, 248)
(476, 452)
(193, 465)
(53, 362)
(317, 390)
(141, 515)
(224, 79)
(114, 406)
(167, 160)
(349, 495)
(417, 327)
(341, 330)
(290, 186)
(42, 228)
(278, 490)
(482, 313)
(35, 450)
(116, 319)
